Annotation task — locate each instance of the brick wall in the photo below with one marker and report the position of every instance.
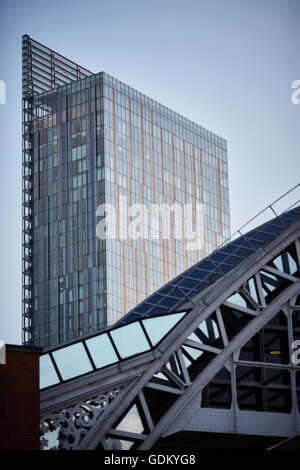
(19, 399)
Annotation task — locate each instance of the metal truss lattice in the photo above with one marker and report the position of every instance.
(232, 351)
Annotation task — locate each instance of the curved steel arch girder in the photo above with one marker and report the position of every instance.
(219, 361)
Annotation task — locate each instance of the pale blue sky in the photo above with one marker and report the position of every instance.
(226, 64)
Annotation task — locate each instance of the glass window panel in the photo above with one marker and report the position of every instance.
(101, 350)
(130, 340)
(48, 375)
(72, 361)
(158, 327)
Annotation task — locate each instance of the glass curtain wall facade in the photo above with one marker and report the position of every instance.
(94, 141)
(69, 262)
(153, 155)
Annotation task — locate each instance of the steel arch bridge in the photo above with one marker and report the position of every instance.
(213, 351)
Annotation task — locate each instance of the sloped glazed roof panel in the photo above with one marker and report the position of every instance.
(185, 286)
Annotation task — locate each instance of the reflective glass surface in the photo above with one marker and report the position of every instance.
(72, 361)
(158, 327)
(101, 350)
(130, 340)
(97, 141)
(48, 375)
(154, 155)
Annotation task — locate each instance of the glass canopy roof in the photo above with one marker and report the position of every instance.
(104, 349)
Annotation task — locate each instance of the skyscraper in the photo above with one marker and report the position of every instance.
(93, 147)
